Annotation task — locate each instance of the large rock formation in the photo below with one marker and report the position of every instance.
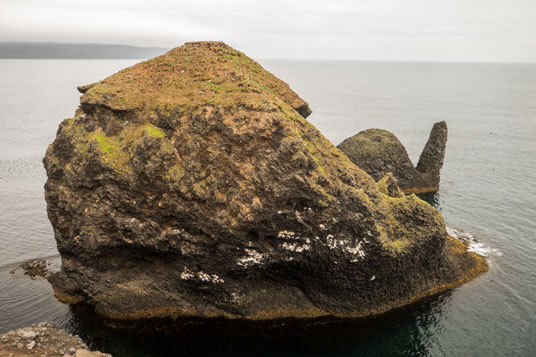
(192, 185)
(379, 152)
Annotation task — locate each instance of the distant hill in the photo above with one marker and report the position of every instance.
(76, 50)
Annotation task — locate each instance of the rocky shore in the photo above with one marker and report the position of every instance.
(45, 339)
(192, 185)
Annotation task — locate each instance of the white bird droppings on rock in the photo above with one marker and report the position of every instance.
(295, 247)
(253, 257)
(187, 274)
(357, 250)
(287, 235)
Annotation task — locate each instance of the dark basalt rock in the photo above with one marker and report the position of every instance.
(431, 159)
(192, 185)
(379, 152)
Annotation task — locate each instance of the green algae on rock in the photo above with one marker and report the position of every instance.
(379, 152)
(192, 185)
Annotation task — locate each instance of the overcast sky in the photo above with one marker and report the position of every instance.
(399, 30)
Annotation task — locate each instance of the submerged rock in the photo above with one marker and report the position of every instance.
(192, 185)
(379, 152)
(33, 268)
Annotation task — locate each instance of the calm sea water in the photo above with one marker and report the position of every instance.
(487, 191)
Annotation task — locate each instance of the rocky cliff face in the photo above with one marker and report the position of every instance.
(192, 185)
(431, 159)
(379, 152)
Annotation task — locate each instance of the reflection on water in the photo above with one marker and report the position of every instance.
(405, 331)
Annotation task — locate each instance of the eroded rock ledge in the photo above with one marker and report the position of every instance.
(379, 152)
(192, 185)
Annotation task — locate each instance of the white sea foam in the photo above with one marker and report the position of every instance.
(475, 245)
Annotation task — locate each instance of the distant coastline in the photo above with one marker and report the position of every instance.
(53, 50)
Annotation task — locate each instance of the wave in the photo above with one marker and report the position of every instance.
(475, 245)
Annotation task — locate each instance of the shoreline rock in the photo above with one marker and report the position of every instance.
(44, 339)
(379, 152)
(34, 267)
(193, 185)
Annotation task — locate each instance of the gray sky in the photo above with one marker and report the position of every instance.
(399, 30)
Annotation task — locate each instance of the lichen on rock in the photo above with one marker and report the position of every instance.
(193, 185)
(379, 152)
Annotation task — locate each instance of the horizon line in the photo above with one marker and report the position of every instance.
(439, 61)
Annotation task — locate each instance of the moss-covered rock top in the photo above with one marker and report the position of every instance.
(380, 141)
(190, 76)
(378, 152)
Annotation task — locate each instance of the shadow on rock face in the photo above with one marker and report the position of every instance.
(433, 199)
(401, 331)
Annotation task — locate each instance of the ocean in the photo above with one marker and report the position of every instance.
(487, 195)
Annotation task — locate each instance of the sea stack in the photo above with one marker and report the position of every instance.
(379, 152)
(192, 185)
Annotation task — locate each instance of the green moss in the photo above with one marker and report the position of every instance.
(399, 234)
(199, 189)
(116, 151)
(314, 154)
(288, 111)
(398, 245)
(79, 111)
(69, 123)
(108, 145)
(111, 152)
(382, 186)
(155, 132)
(99, 90)
(176, 171)
(228, 56)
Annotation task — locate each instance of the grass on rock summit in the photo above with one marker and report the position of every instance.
(196, 74)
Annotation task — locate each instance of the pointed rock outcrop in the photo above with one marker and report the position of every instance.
(432, 156)
(379, 152)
